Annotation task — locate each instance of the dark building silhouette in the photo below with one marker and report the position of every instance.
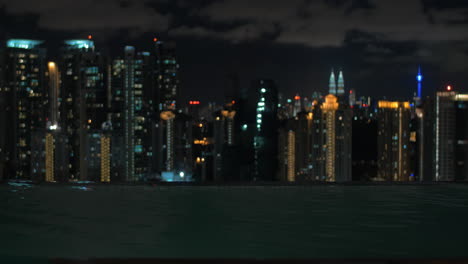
(166, 72)
(365, 131)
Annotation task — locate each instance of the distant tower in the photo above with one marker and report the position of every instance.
(332, 83)
(297, 105)
(419, 78)
(352, 97)
(341, 90)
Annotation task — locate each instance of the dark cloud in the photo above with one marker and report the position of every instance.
(90, 14)
(294, 41)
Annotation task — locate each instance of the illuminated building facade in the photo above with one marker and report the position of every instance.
(83, 105)
(394, 141)
(24, 71)
(224, 141)
(337, 136)
(287, 152)
(175, 132)
(166, 74)
(135, 111)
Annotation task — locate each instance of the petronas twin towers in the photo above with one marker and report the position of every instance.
(336, 87)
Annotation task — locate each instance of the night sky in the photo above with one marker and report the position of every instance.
(378, 43)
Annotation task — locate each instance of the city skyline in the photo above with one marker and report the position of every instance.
(120, 118)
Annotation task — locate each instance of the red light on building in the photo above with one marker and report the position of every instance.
(155, 39)
(90, 37)
(449, 88)
(194, 102)
(297, 97)
(233, 102)
(351, 91)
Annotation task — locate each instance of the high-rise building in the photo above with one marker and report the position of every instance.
(352, 97)
(166, 74)
(332, 83)
(336, 119)
(84, 103)
(461, 137)
(365, 147)
(259, 135)
(224, 141)
(445, 134)
(341, 85)
(450, 146)
(134, 107)
(287, 151)
(23, 87)
(303, 137)
(394, 140)
(425, 139)
(176, 136)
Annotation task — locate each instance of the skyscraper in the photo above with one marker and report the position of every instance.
(166, 74)
(393, 141)
(445, 125)
(461, 137)
(24, 86)
(259, 117)
(83, 108)
(338, 139)
(450, 146)
(332, 83)
(419, 78)
(137, 113)
(341, 85)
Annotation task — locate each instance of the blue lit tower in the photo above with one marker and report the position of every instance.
(419, 78)
(341, 90)
(332, 83)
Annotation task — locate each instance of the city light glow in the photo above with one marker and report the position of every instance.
(23, 43)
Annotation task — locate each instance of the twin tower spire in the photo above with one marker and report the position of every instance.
(335, 89)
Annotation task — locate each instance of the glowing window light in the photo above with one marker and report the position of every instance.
(80, 43)
(263, 90)
(23, 43)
